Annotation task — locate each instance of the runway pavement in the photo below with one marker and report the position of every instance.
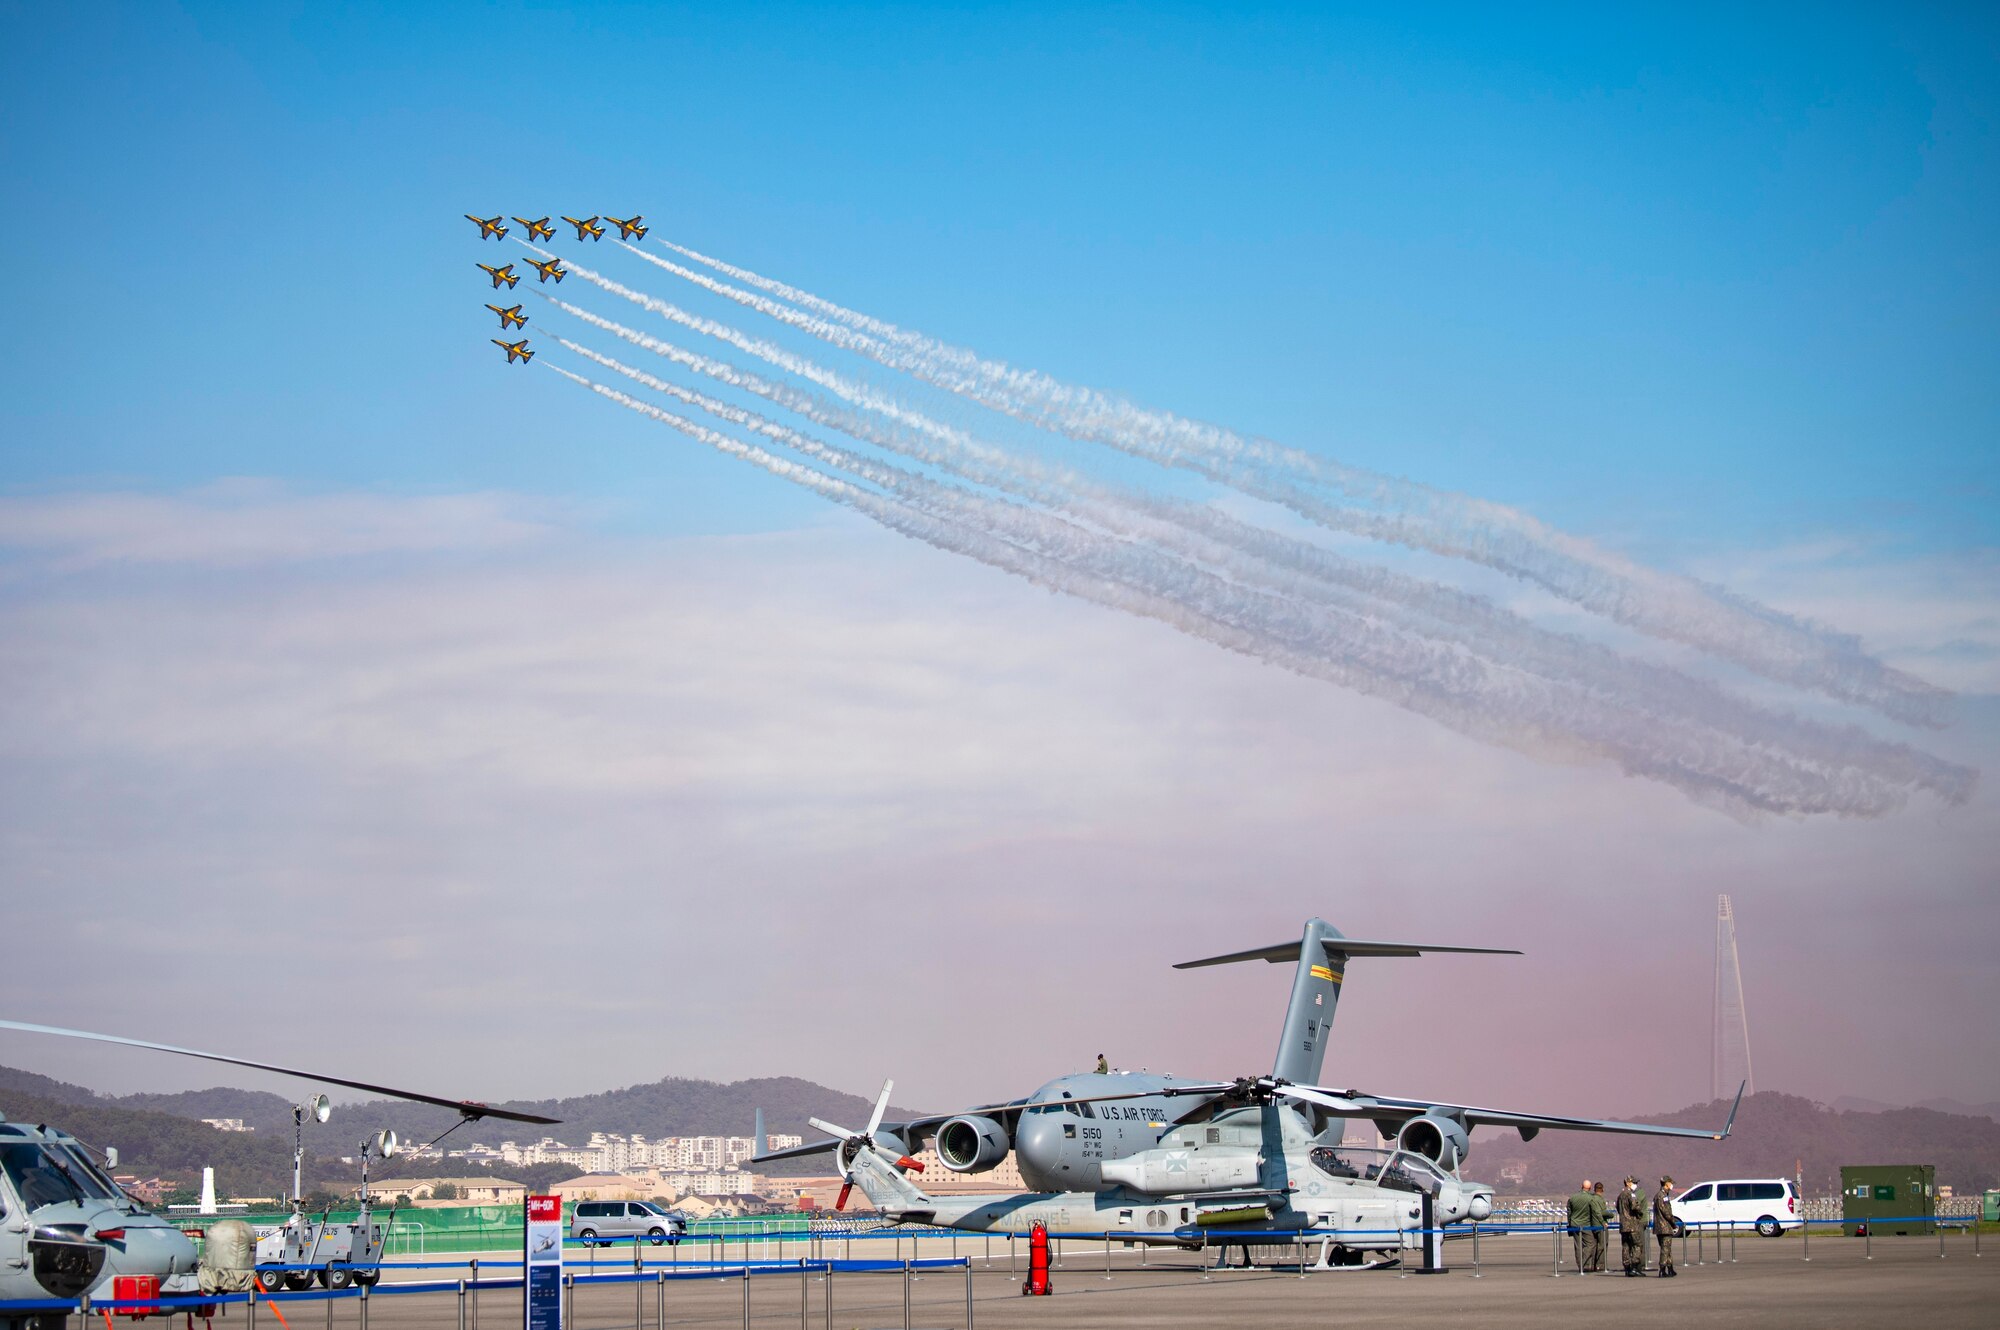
(1906, 1283)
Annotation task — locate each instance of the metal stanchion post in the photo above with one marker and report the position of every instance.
(1011, 1272)
(660, 1299)
(329, 1314)
(475, 1291)
(84, 1310)
(1805, 1236)
(364, 1307)
(461, 1304)
(827, 1303)
(746, 1297)
(1940, 1229)
(569, 1281)
(1475, 1250)
(906, 1295)
(805, 1295)
(1107, 1256)
(1867, 1242)
(1556, 1272)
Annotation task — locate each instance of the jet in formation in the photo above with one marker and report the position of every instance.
(70, 1230)
(631, 230)
(1182, 1162)
(540, 230)
(489, 227)
(552, 268)
(511, 317)
(586, 228)
(501, 274)
(515, 350)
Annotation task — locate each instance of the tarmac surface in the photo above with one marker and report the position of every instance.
(1899, 1282)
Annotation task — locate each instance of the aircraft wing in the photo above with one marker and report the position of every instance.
(1385, 1108)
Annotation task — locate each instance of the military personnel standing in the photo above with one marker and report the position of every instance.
(1600, 1220)
(1664, 1226)
(1632, 1229)
(1580, 1206)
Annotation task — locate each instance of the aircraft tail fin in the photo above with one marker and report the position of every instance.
(1321, 955)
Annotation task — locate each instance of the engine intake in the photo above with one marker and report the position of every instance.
(971, 1144)
(1440, 1139)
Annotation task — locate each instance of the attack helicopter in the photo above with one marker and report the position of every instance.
(1125, 1152)
(67, 1229)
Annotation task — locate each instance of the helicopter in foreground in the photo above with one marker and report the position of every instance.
(68, 1230)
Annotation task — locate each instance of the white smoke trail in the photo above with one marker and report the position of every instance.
(1290, 567)
(1776, 645)
(1475, 695)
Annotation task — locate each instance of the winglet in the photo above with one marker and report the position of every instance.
(1730, 1125)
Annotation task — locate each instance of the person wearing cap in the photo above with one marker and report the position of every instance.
(1580, 1209)
(1664, 1225)
(1632, 1229)
(1600, 1220)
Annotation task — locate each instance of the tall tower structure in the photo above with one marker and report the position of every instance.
(1729, 1059)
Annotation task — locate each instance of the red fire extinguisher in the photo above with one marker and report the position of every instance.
(1038, 1262)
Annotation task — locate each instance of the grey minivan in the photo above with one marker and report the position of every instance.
(601, 1221)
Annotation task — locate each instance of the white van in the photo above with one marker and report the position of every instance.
(1769, 1205)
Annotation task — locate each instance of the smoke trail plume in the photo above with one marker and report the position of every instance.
(1779, 646)
(1440, 679)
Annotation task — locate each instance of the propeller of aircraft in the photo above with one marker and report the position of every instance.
(850, 1143)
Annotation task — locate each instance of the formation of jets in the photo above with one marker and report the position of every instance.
(587, 228)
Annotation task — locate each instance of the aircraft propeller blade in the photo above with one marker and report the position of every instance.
(846, 1190)
(839, 1133)
(881, 1107)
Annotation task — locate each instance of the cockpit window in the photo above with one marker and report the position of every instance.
(1396, 1169)
(50, 1174)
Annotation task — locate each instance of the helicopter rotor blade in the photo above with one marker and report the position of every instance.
(464, 1107)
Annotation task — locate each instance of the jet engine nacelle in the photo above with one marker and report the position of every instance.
(971, 1144)
(1440, 1139)
(1170, 1172)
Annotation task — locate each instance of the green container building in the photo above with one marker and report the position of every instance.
(1990, 1212)
(1889, 1198)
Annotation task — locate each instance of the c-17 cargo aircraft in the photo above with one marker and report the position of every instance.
(511, 317)
(1128, 1151)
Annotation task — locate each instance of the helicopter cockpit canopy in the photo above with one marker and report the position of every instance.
(51, 1172)
(1399, 1170)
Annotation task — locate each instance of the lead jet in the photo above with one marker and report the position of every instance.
(552, 268)
(501, 274)
(489, 227)
(510, 318)
(628, 230)
(586, 228)
(515, 350)
(1092, 1144)
(540, 230)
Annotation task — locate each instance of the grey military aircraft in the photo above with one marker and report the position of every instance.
(1129, 1151)
(67, 1229)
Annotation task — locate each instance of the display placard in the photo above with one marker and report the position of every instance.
(542, 1256)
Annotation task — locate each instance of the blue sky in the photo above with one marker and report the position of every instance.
(305, 597)
(1678, 280)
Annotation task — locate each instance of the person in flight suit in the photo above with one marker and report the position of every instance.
(1632, 1229)
(1600, 1218)
(1664, 1226)
(1580, 1207)
(1103, 1067)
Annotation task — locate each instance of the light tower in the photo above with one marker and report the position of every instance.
(1729, 1060)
